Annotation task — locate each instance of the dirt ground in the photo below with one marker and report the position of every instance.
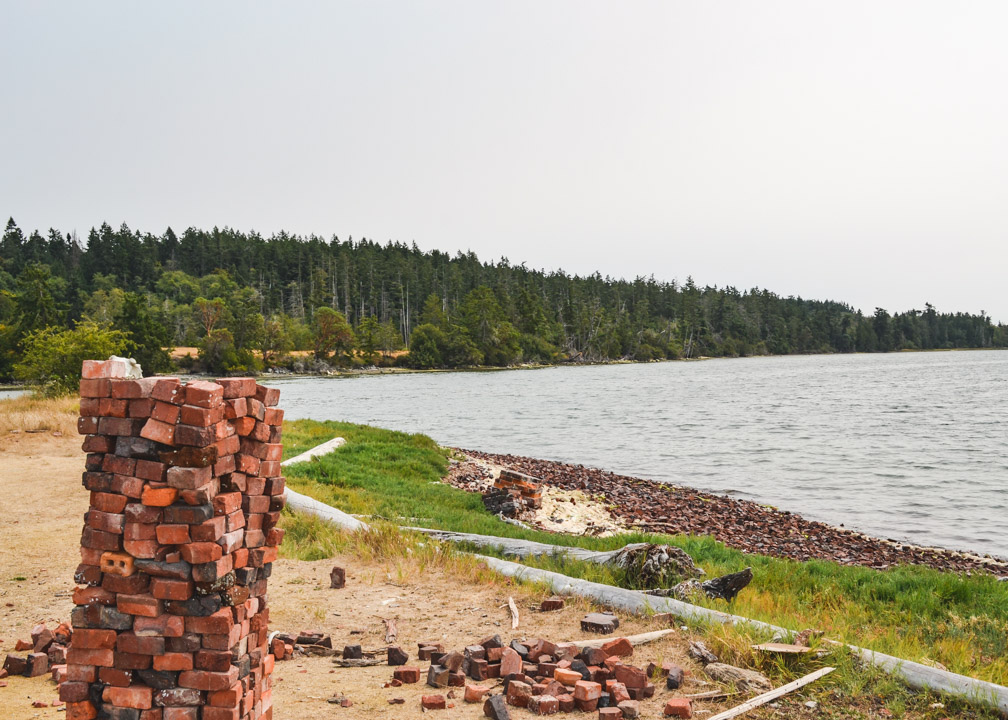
(40, 523)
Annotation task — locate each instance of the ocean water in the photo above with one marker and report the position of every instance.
(910, 446)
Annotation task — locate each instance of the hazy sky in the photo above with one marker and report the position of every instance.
(855, 151)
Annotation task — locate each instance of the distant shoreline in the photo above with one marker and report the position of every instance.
(746, 525)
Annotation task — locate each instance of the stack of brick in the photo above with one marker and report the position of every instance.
(171, 612)
(512, 493)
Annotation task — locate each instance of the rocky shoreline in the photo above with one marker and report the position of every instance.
(651, 506)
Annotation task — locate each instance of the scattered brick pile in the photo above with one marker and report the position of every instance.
(46, 653)
(513, 492)
(186, 490)
(542, 676)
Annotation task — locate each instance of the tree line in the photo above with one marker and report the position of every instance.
(248, 302)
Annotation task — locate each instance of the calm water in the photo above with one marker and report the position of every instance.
(906, 446)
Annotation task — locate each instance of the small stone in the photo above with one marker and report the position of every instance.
(396, 701)
(674, 679)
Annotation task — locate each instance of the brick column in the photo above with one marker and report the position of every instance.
(171, 609)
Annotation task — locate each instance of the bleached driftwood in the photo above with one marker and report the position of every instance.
(741, 678)
(317, 451)
(303, 503)
(514, 613)
(772, 695)
(635, 640)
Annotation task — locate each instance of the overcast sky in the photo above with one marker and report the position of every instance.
(855, 151)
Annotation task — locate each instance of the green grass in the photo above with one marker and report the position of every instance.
(910, 612)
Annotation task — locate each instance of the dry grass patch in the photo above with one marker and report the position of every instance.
(36, 414)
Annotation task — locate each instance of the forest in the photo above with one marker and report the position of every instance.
(249, 303)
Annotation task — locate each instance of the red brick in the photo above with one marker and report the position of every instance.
(273, 416)
(142, 605)
(168, 389)
(173, 662)
(220, 622)
(116, 426)
(268, 396)
(212, 660)
(610, 713)
(239, 387)
(172, 534)
(204, 394)
(679, 707)
(87, 425)
(235, 408)
(227, 503)
(199, 553)
(140, 408)
(84, 638)
(93, 596)
(90, 656)
(158, 497)
(81, 711)
(92, 369)
(108, 502)
(114, 676)
(125, 485)
(82, 673)
(210, 530)
(133, 389)
(188, 478)
(619, 646)
(433, 702)
(106, 522)
(162, 625)
(143, 549)
(138, 513)
(180, 713)
(194, 436)
(632, 677)
(165, 412)
(139, 531)
(566, 676)
(220, 713)
(201, 416)
(98, 444)
(110, 407)
(168, 589)
(587, 690)
(204, 680)
(137, 696)
(158, 431)
(407, 674)
(244, 425)
(139, 644)
(95, 388)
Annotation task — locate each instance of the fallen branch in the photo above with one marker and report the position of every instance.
(772, 695)
(361, 662)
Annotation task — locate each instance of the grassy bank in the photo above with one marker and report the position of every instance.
(916, 613)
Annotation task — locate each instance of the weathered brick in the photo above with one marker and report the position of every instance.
(136, 696)
(158, 431)
(205, 680)
(204, 394)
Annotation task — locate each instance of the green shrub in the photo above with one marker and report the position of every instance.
(52, 357)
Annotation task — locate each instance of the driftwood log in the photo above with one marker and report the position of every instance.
(742, 679)
(648, 563)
